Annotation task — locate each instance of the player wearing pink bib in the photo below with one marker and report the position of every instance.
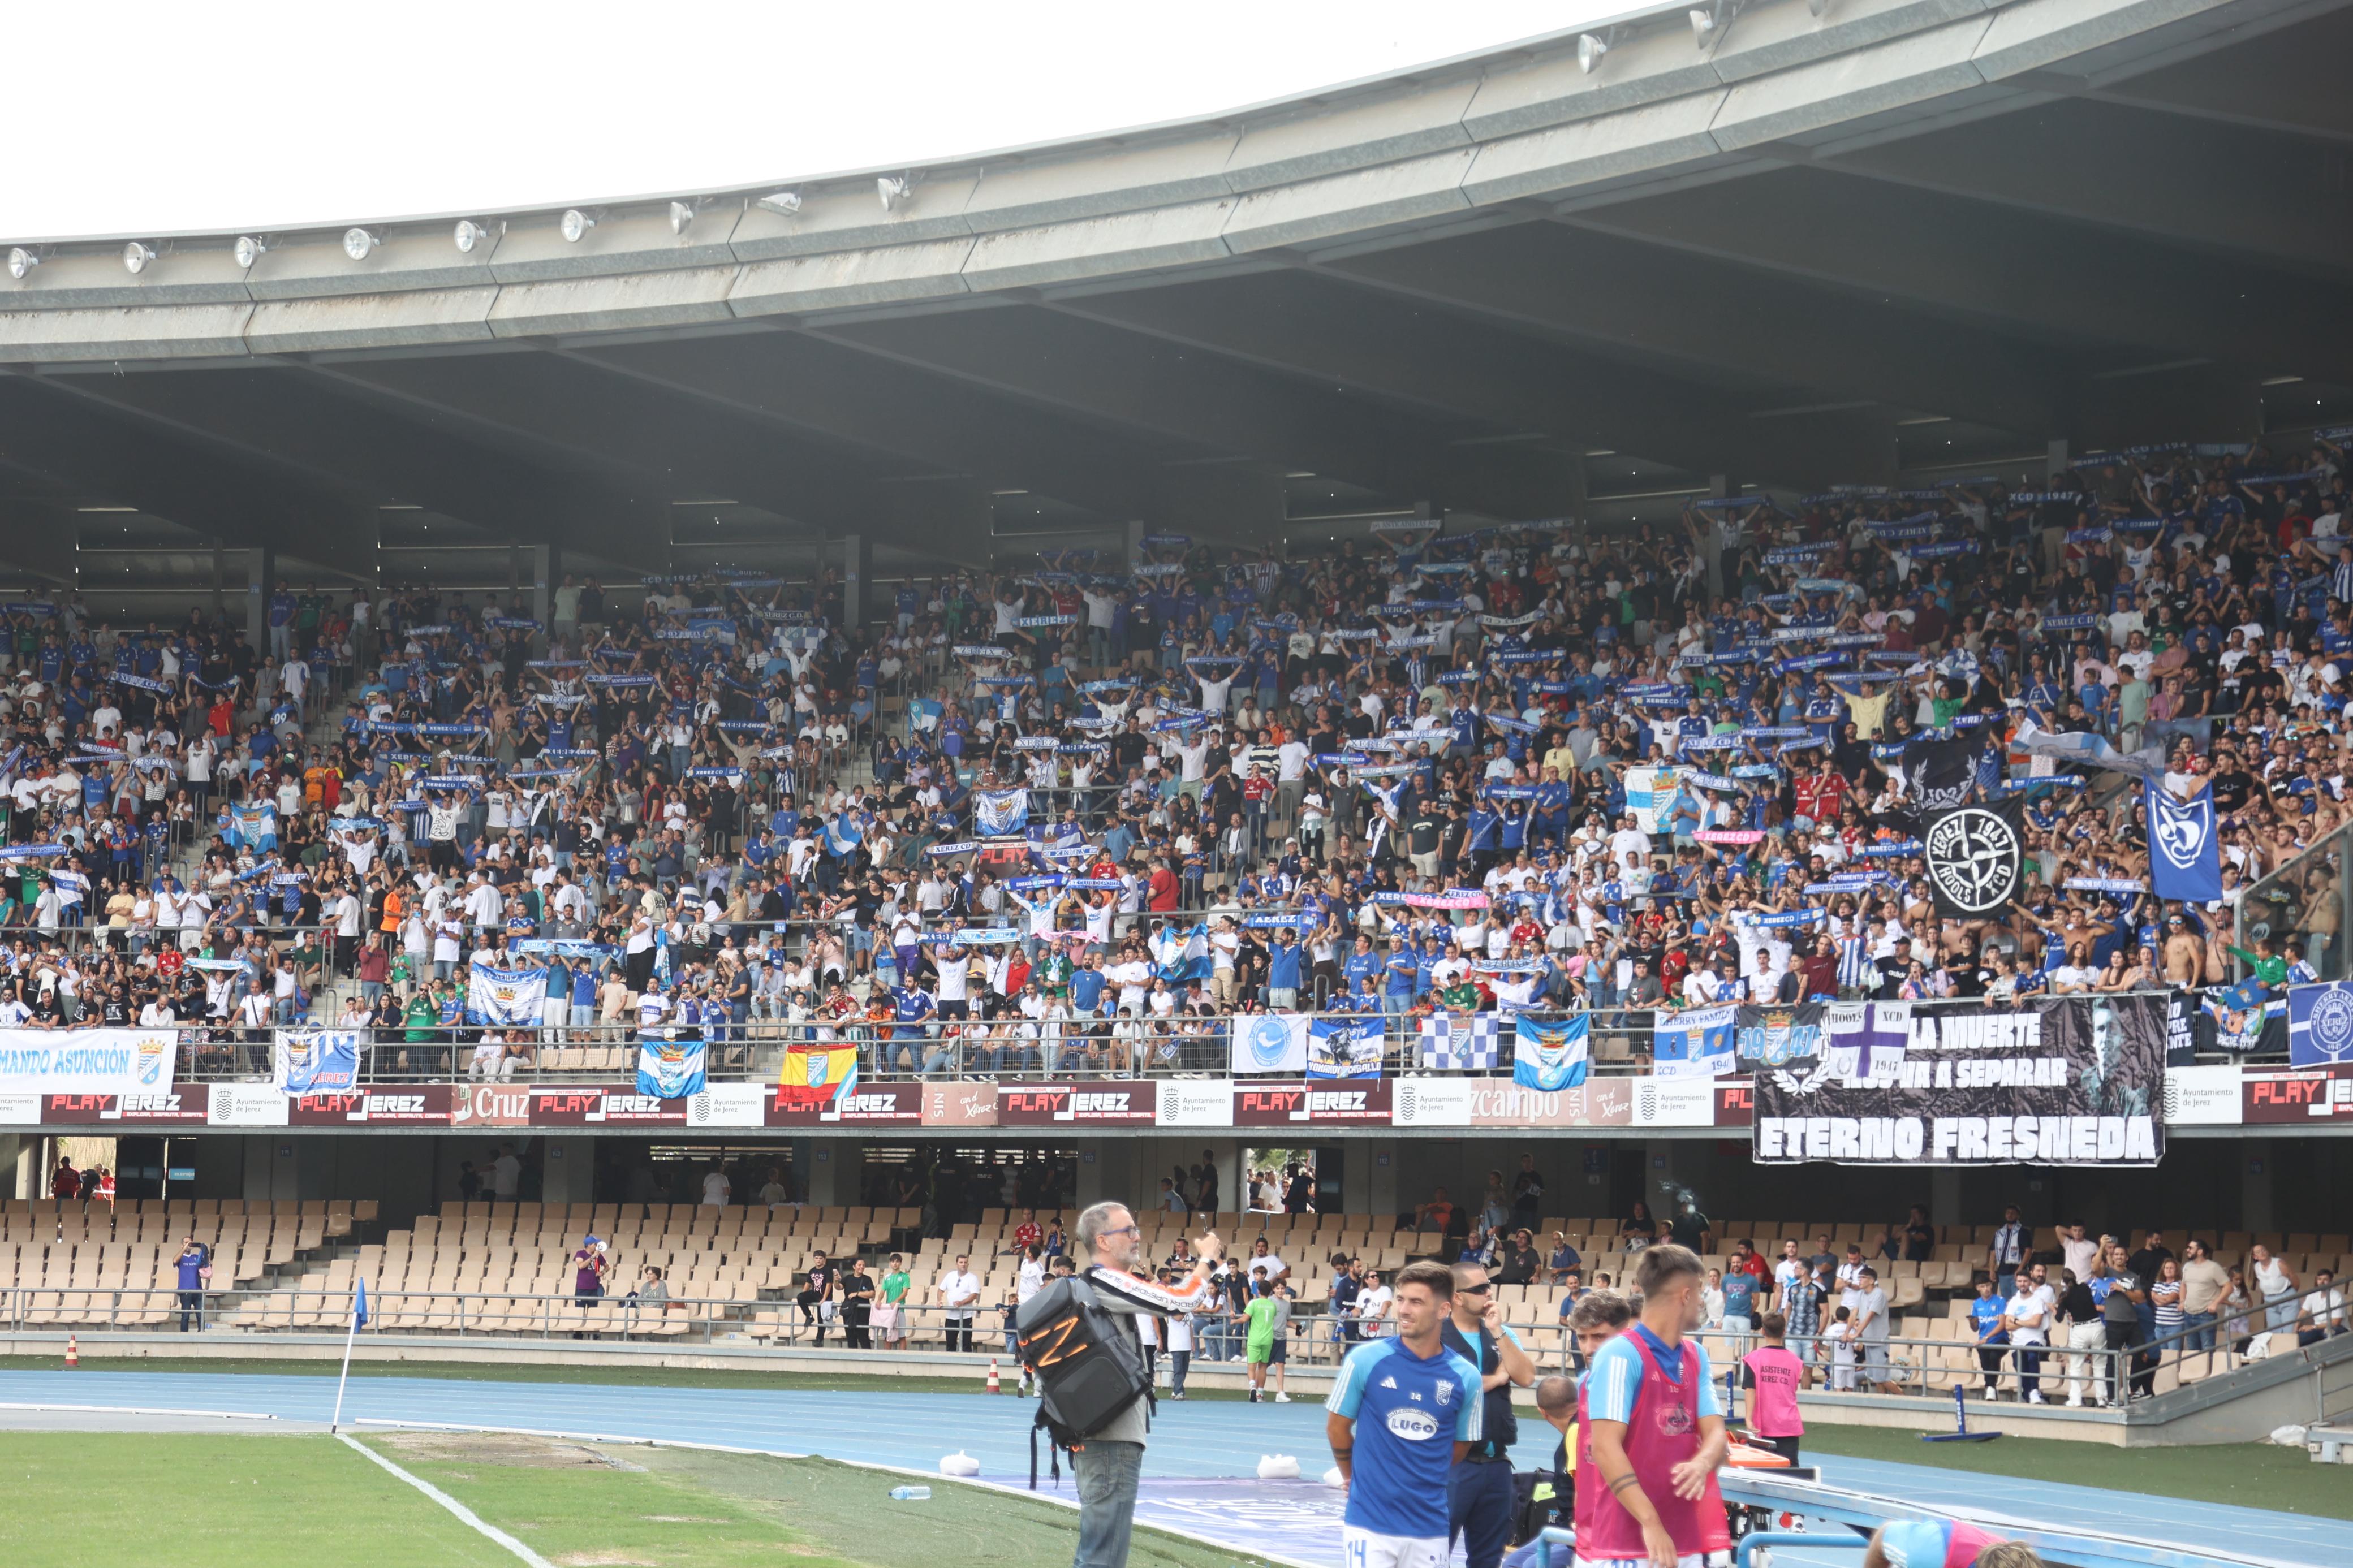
(1775, 1376)
(1650, 1434)
(1945, 1544)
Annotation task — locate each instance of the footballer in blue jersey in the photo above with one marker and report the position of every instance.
(1402, 1414)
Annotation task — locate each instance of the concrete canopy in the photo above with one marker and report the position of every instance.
(1891, 239)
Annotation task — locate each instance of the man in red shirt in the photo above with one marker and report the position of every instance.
(1163, 896)
(1027, 1234)
(1821, 793)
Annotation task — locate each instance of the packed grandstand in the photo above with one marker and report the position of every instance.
(1068, 820)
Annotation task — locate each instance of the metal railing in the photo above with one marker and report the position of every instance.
(748, 1049)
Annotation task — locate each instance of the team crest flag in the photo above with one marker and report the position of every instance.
(996, 813)
(2320, 1025)
(509, 998)
(1551, 1057)
(1697, 1043)
(1461, 1042)
(816, 1073)
(671, 1070)
(2184, 856)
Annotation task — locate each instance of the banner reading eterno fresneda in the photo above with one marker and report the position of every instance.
(2076, 1080)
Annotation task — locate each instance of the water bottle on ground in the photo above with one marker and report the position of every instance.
(910, 1494)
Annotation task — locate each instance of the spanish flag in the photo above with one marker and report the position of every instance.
(816, 1073)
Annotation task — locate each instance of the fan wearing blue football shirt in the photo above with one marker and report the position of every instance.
(1391, 1414)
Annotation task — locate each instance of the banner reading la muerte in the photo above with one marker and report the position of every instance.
(2074, 1080)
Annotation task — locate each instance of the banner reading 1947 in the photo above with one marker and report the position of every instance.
(2073, 1080)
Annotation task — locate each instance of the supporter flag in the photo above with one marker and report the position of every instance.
(816, 1073)
(998, 812)
(669, 1069)
(1551, 1057)
(1697, 1043)
(1461, 1042)
(2320, 1025)
(1345, 1047)
(1975, 857)
(253, 826)
(316, 1061)
(2185, 859)
(1269, 1043)
(1867, 1040)
(1942, 773)
(508, 998)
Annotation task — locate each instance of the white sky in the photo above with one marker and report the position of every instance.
(143, 118)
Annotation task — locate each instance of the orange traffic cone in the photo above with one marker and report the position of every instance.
(993, 1387)
(73, 1352)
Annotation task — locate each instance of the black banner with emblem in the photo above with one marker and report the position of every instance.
(1975, 857)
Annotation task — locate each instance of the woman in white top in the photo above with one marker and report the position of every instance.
(2274, 1285)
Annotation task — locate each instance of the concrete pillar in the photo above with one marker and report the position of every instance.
(857, 568)
(1945, 1197)
(546, 573)
(261, 581)
(220, 578)
(569, 1170)
(2054, 459)
(2257, 1159)
(1135, 532)
(824, 1169)
(1381, 1186)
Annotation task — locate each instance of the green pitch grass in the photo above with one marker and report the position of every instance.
(2250, 1475)
(199, 1501)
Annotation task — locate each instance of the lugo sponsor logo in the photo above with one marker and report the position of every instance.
(1413, 1425)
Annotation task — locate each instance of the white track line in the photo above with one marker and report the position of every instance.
(141, 1410)
(468, 1516)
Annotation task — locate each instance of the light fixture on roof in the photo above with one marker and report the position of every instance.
(682, 216)
(21, 262)
(1708, 21)
(248, 250)
(358, 243)
(136, 256)
(786, 204)
(893, 190)
(468, 234)
(1590, 47)
(575, 225)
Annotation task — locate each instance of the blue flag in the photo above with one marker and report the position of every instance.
(2185, 859)
(1551, 1057)
(1697, 1043)
(2320, 1025)
(359, 1306)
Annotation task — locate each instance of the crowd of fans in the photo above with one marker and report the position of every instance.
(1070, 816)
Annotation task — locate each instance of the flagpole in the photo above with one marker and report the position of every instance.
(350, 1334)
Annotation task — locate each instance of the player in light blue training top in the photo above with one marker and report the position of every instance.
(1402, 1413)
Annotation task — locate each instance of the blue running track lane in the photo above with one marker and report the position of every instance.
(1191, 1442)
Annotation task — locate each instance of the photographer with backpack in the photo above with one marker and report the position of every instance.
(1078, 1338)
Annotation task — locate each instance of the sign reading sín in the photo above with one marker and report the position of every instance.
(2064, 1081)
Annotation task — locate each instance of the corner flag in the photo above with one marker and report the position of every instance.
(359, 1307)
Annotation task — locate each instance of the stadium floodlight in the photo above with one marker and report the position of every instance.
(574, 225)
(681, 215)
(468, 234)
(359, 242)
(892, 191)
(249, 251)
(786, 204)
(1702, 24)
(136, 256)
(1589, 50)
(21, 262)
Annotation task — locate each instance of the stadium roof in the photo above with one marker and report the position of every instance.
(1747, 244)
